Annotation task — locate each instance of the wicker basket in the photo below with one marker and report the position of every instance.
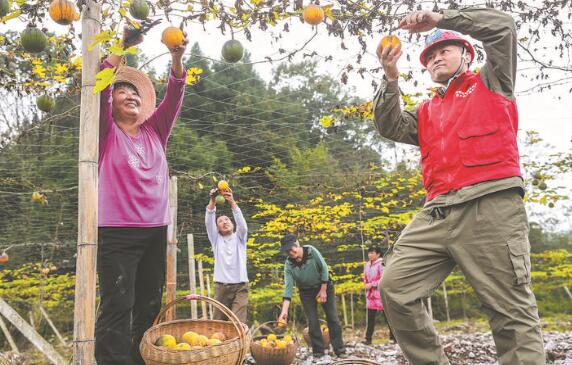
(230, 352)
(354, 362)
(325, 336)
(269, 355)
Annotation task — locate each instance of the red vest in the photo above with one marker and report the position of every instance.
(467, 136)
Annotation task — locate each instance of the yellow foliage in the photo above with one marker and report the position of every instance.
(193, 75)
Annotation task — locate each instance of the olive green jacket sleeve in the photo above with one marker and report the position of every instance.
(495, 29)
(390, 121)
(497, 32)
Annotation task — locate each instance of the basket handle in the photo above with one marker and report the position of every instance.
(224, 309)
(254, 330)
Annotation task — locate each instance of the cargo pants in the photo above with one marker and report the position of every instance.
(487, 238)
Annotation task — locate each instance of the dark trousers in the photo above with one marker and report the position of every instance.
(310, 305)
(131, 270)
(371, 314)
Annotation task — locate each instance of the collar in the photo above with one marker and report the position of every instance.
(455, 79)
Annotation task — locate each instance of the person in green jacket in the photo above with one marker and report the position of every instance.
(474, 217)
(306, 268)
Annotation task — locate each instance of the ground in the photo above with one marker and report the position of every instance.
(465, 342)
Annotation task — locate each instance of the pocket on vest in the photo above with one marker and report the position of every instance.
(480, 146)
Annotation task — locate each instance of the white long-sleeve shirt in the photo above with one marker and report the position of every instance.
(229, 251)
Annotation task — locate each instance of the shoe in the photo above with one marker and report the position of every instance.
(323, 360)
(342, 355)
(366, 342)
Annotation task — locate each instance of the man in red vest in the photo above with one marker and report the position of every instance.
(474, 216)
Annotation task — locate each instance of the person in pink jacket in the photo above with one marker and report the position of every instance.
(372, 273)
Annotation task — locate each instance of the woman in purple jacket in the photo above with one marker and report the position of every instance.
(372, 273)
(133, 204)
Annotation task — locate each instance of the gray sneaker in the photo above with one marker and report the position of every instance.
(323, 360)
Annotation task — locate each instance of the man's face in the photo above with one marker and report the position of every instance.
(224, 225)
(295, 252)
(444, 60)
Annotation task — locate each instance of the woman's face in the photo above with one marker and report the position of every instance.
(126, 102)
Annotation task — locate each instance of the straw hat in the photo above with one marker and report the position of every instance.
(144, 87)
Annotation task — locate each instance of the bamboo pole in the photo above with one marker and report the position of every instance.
(446, 302)
(567, 291)
(30, 333)
(352, 309)
(208, 279)
(8, 336)
(192, 274)
(58, 335)
(171, 276)
(202, 287)
(84, 308)
(345, 311)
(430, 308)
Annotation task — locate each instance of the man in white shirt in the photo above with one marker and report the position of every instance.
(229, 249)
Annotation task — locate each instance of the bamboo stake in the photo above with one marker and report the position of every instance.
(352, 309)
(84, 308)
(192, 274)
(171, 276)
(8, 336)
(31, 316)
(446, 302)
(209, 294)
(202, 287)
(567, 291)
(30, 333)
(58, 335)
(430, 308)
(344, 310)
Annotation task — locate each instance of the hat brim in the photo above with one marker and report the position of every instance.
(144, 87)
(461, 42)
(286, 247)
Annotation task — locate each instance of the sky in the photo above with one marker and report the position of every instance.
(548, 112)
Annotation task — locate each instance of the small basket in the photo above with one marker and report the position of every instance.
(325, 336)
(272, 356)
(230, 352)
(354, 362)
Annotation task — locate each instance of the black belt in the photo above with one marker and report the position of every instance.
(227, 284)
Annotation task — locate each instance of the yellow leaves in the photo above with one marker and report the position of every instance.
(12, 15)
(362, 111)
(244, 170)
(60, 69)
(36, 61)
(40, 198)
(134, 24)
(103, 79)
(77, 63)
(257, 2)
(193, 75)
(328, 11)
(327, 121)
(101, 37)
(2, 39)
(118, 50)
(40, 71)
(122, 12)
